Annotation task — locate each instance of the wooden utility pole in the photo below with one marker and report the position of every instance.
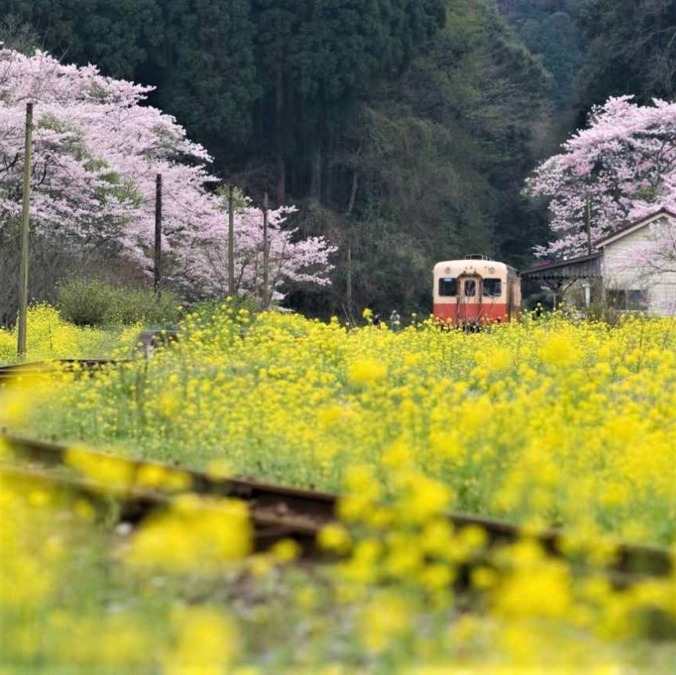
(25, 223)
(157, 272)
(231, 240)
(587, 217)
(266, 253)
(348, 283)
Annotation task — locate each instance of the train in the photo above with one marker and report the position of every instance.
(474, 291)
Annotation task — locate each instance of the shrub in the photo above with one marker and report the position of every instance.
(134, 305)
(85, 302)
(90, 302)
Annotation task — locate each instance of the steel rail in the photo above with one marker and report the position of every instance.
(268, 496)
(300, 514)
(133, 505)
(28, 369)
(277, 512)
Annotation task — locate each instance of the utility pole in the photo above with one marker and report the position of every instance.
(348, 283)
(587, 217)
(231, 240)
(266, 253)
(157, 272)
(25, 222)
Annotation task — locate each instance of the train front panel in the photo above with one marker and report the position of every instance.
(474, 292)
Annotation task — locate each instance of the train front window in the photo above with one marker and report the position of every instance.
(470, 288)
(447, 286)
(492, 288)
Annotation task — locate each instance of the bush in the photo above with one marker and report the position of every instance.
(85, 302)
(89, 302)
(206, 310)
(134, 305)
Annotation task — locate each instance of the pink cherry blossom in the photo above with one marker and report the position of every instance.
(97, 149)
(623, 167)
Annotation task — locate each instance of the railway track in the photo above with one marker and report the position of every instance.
(32, 369)
(277, 512)
(142, 487)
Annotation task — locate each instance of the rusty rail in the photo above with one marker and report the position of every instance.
(277, 512)
(29, 369)
(282, 512)
(133, 505)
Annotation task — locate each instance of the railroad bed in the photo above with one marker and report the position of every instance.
(277, 512)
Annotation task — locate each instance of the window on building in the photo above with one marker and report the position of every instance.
(492, 288)
(630, 299)
(448, 286)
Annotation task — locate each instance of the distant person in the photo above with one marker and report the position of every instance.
(395, 320)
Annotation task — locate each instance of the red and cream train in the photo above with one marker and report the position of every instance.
(474, 291)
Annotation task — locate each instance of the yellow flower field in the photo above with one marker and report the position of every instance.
(52, 338)
(547, 422)
(550, 423)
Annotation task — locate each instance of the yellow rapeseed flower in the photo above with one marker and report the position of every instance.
(193, 534)
(206, 643)
(365, 371)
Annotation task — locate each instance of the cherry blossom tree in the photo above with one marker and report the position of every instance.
(291, 260)
(97, 149)
(620, 169)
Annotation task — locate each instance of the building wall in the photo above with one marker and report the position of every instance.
(623, 268)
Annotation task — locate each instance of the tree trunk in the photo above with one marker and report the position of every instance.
(279, 135)
(316, 172)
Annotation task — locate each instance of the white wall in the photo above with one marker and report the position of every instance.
(632, 262)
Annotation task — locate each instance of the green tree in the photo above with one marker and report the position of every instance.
(432, 165)
(632, 50)
(204, 70)
(551, 31)
(116, 36)
(315, 60)
(18, 34)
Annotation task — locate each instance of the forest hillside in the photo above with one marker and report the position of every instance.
(402, 131)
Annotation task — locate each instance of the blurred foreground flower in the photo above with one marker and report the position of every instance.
(194, 534)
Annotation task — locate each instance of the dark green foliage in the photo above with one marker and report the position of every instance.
(550, 30)
(401, 128)
(315, 60)
(90, 302)
(429, 168)
(116, 36)
(204, 68)
(16, 33)
(632, 50)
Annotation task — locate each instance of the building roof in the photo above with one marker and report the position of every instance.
(582, 267)
(634, 226)
(588, 266)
